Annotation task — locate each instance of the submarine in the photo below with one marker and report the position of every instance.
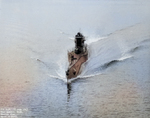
(77, 57)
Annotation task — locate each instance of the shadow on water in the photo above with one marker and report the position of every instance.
(69, 87)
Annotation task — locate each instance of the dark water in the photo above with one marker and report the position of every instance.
(35, 36)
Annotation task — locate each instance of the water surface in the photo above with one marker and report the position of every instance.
(35, 37)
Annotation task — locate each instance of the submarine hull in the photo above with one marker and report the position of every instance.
(75, 63)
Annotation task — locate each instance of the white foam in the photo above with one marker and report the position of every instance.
(125, 57)
(92, 40)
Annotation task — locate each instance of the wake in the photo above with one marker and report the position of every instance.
(97, 61)
(105, 52)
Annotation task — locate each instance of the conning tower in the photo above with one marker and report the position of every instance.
(79, 43)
